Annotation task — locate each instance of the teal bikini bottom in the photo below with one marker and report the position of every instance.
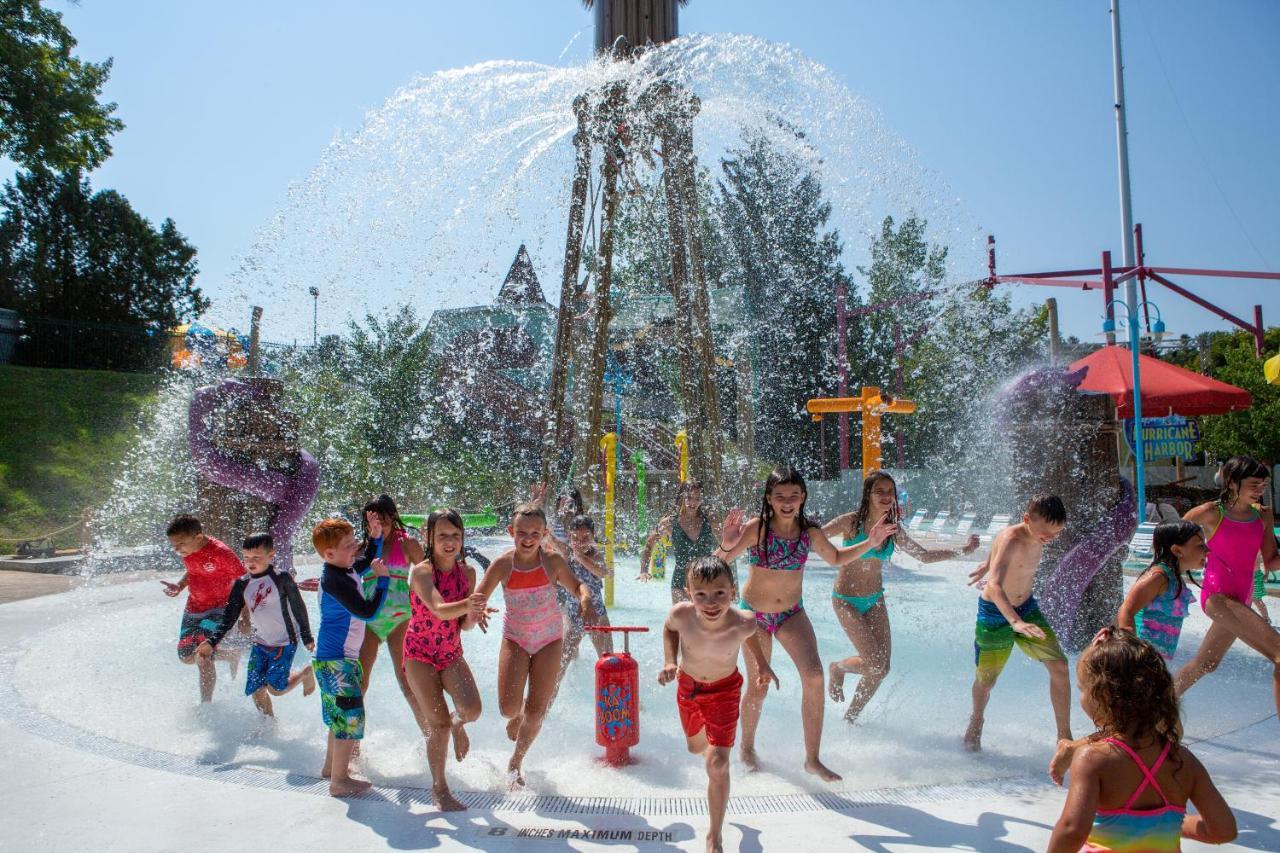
(861, 603)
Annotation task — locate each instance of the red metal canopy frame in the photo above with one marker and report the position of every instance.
(1108, 277)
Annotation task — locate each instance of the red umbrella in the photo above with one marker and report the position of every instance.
(1166, 388)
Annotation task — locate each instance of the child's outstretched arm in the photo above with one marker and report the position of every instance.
(882, 530)
(1072, 828)
(1144, 591)
(235, 604)
(934, 555)
(173, 588)
(670, 649)
(294, 598)
(1215, 824)
(422, 583)
(838, 525)
(737, 535)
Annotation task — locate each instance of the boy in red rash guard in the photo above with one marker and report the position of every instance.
(212, 568)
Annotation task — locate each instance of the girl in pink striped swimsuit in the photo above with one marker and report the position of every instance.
(442, 607)
(1237, 529)
(532, 632)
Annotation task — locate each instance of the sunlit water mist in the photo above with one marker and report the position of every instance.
(426, 203)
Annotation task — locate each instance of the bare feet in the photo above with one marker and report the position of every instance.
(308, 681)
(513, 726)
(515, 779)
(835, 682)
(750, 759)
(348, 787)
(851, 716)
(445, 800)
(817, 768)
(461, 742)
(973, 736)
(714, 844)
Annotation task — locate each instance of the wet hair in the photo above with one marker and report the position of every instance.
(1162, 541)
(185, 524)
(1048, 508)
(708, 569)
(787, 475)
(384, 506)
(864, 509)
(1234, 472)
(1131, 688)
(528, 510)
(330, 533)
(583, 522)
(448, 514)
(569, 493)
(258, 540)
(686, 487)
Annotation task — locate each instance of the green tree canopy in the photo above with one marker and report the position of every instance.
(50, 115)
(1255, 431)
(69, 253)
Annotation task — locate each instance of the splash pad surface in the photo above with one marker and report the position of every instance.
(91, 677)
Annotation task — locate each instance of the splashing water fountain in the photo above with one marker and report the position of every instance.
(441, 182)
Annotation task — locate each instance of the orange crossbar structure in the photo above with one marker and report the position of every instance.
(873, 405)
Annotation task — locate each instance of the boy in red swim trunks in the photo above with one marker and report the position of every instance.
(705, 633)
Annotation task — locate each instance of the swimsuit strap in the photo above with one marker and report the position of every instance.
(1149, 774)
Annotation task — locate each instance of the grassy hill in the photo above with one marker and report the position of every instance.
(63, 434)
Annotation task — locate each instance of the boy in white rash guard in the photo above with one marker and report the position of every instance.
(279, 619)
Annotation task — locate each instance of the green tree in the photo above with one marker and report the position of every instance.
(68, 253)
(50, 115)
(774, 219)
(1256, 430)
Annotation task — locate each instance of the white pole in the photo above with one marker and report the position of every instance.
(1127, 245)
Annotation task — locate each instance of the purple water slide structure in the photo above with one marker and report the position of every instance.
(290, 494)
(1065, 586)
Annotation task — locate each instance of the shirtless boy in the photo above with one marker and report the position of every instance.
(1008, 614)
(705, 633)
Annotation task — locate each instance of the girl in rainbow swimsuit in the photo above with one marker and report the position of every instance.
(1161, 597)
(1131, 781)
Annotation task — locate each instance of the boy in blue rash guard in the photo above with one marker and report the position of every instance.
(343, 612)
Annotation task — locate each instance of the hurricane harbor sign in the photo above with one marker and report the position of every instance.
(1173, 437)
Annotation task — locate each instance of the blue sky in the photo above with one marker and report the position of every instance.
(228, 103)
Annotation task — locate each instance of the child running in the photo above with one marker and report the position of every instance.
(440, 595)
(532, 632)
(1130, 784)
(1008, 614)
(1239, 530)
(392, 543)
(279, 620)
(701, 640)
(691, 531)
(212, 568)
(1161, 596)
(858, 595)
(587, 564)
(777, 544)
(343, 612)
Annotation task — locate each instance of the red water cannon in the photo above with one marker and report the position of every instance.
(618, 698)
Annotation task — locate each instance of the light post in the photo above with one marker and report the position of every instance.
(1139, 445)
(315, 314)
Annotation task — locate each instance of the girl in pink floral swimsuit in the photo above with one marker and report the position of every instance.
(442, 607)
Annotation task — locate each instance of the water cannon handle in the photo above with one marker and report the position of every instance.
(625, 630)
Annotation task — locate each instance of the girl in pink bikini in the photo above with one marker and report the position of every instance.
(1237, 529)
(532, 631)
(442, 607)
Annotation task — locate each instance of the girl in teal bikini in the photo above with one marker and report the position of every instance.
(777, 544)
(858, 594)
